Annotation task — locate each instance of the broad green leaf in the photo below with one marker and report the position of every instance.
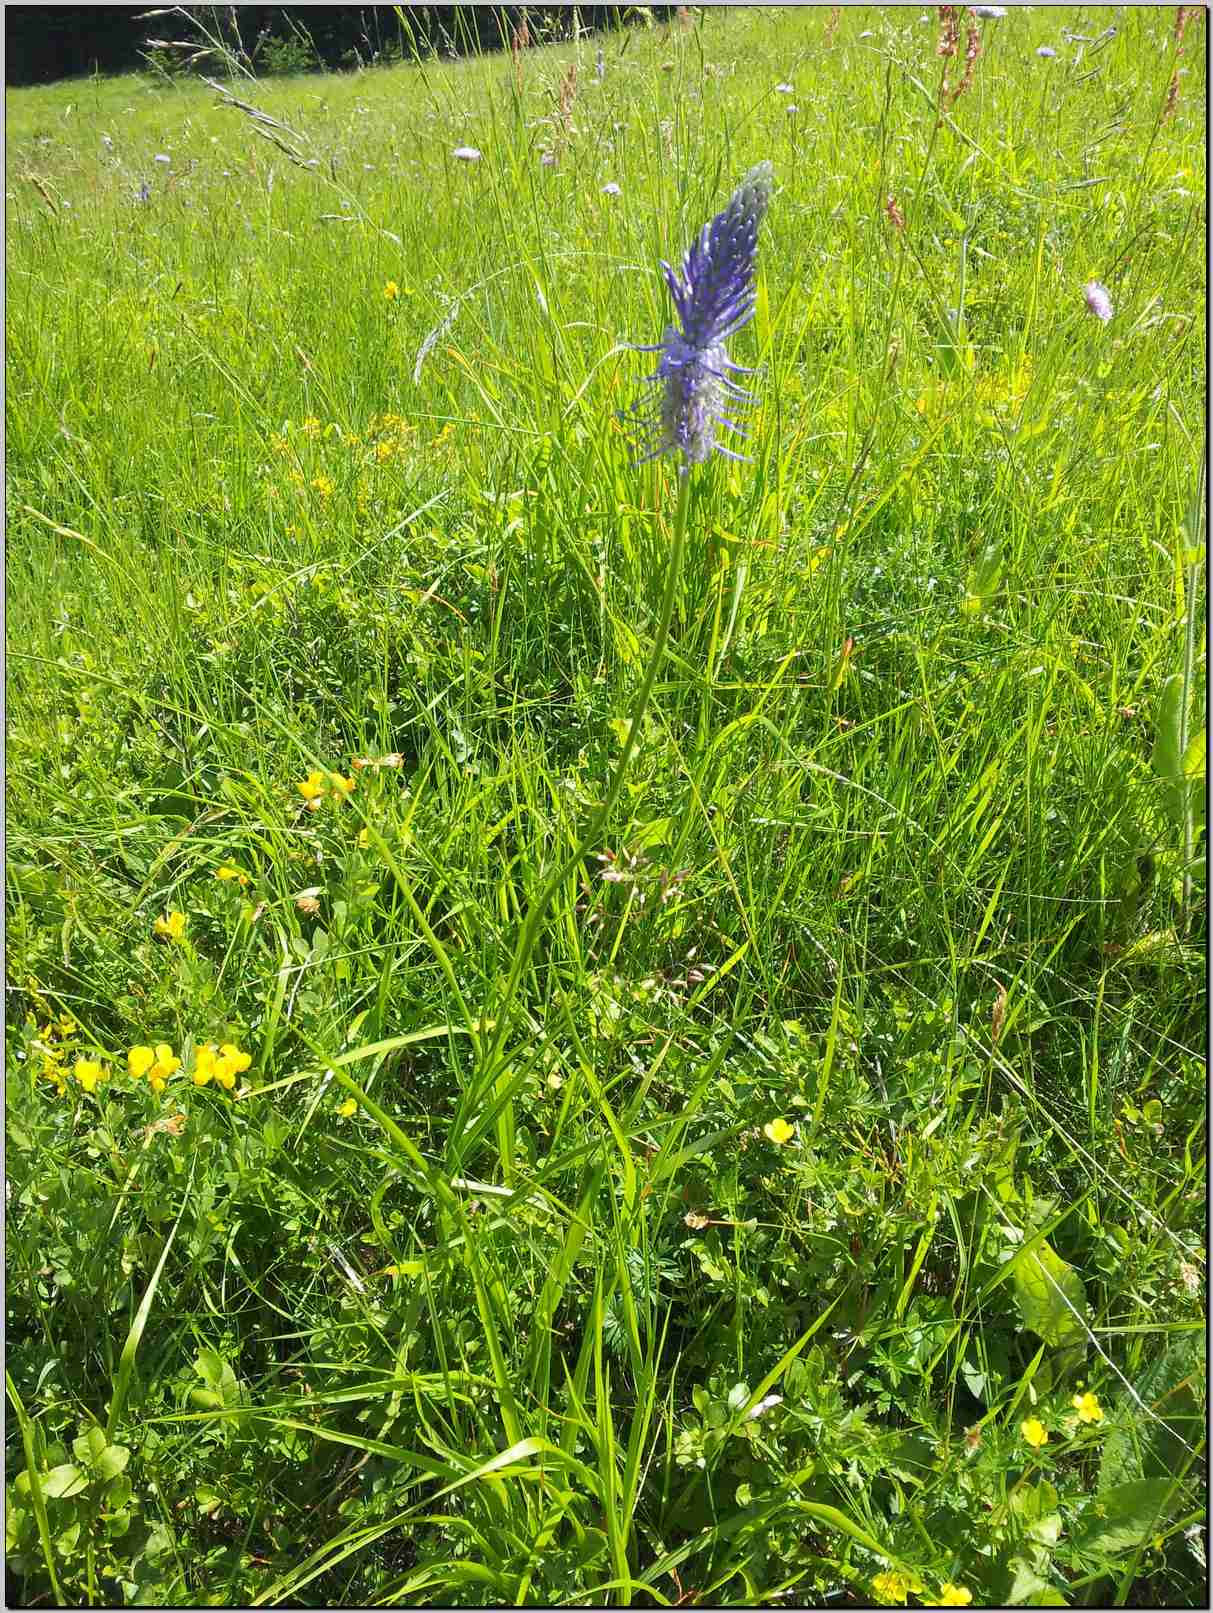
(984, 579)
(88, 1447)
(112, 1461)
(1180, 769)
(1141, 1446)
(1049, 1293)
(63, 1481)
(1122, 1517)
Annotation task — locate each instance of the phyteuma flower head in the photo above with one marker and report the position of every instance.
(714, 298)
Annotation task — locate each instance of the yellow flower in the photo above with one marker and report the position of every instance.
(323, 485)
(172, 927)
(140, 1060)
(312, 787)
(891, 1587)
(778, 1131)
(230, 1063)
(204, 1064)
(167, 1063)
(384, 451)
(391, 291)
(346, 1109)
(228, 871)
(954, 1595)
(1088, 1408)
(88, 1072)
(1034, 1432)
(67, 1026)
(341, 786)
(311, 427)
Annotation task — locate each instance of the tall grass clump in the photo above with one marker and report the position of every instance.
(590, 1022)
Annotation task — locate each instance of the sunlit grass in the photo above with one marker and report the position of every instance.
(855, 1124)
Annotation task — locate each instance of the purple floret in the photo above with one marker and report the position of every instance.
(714, 298)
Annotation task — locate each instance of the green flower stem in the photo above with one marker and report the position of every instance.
(535, 917)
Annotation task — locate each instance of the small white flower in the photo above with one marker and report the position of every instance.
(466, 153)
(763, 1406)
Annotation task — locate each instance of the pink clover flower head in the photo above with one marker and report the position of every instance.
(1098, 301)
(466, 154)
(714, 298)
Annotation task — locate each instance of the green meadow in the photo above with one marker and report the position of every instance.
(546, 1070)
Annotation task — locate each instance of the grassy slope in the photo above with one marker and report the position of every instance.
(922, 899)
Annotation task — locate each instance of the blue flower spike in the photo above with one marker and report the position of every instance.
(714, 297)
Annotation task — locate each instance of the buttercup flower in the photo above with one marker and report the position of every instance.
(1098, 301)
(892, 1587)
(88, 1072)
(1034, 1432)
(172, 927)
(227, 871)
(346, 1109)
(778, 1131)
(953, 1595)
(714, 298)
(1088, 1408)
(391, 291)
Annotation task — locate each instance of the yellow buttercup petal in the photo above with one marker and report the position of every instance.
(778, 1131)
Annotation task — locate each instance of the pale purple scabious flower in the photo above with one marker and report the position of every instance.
(714, 298)
(989, 13)
(785, 89)
(162, 156)
(466, 153)
(144, 193)
(611, 188)
(1045, 50)
(1098, 300)
(599, 65)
